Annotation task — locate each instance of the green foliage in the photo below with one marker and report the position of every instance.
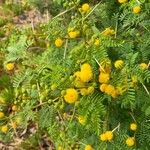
(36, 73)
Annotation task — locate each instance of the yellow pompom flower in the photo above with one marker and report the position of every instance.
(122, 1)
(104, 77)
(73, 34)
(143, 66)
(97, 42)
(130, 141)
(86, 66)
(133, 126)
(85, 7)
(82, 120)
(10, 66)
(103, 137)
(109, 89)
(86, 75)
(88, 147)
(109, 135)
(71, 96)
(84, 91)
(4, 129)
(108, 31)
(136, 9)
(103, 87)
(58, 42)
(1, 114)
(118, 64)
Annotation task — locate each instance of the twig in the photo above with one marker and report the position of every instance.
(61, 118)
(62, 13)
(38, 87)
(66, 45)
(43, 103)
(138, 1)
(32, 25)
(145, 89)
(99, 64)
(72, 114)
(118, 126)
(133, 117)
(116, 27)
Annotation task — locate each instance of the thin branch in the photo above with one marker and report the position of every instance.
(118, 126)
(99, 64)
(73, 114)
(66, 45)
(62, 13)
(133, 117)
(43, 103)
(38, 87)
(116, 28)
(145, 89)
(138, 1)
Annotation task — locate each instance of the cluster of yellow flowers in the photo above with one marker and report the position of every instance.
(72, 34)
(135, 10)
(104, 78)
(82, 77)
(109, 89)
(130, 141)
(4, 128)
(106, 136)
